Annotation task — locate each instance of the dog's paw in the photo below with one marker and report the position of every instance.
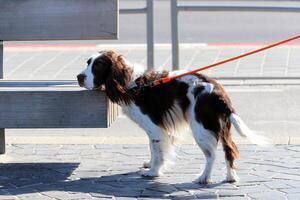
(149, 173)
(203, 179)
(146, 165)
(232, 177)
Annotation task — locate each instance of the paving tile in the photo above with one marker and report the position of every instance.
(272, 195)
(290, 190)
(293, 196)
(277, 185)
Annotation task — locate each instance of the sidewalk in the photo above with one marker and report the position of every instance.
(270, 111)
(57, 62)
(247, 81)
(64, 172)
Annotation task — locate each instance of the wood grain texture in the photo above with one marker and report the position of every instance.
(58, 19)
(68, 107)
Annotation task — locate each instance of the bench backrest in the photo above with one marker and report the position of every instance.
(22, 20)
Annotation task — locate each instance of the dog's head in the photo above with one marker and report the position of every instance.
(108, 70)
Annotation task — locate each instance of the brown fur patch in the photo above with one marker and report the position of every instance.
(229, 147)
(117, 77)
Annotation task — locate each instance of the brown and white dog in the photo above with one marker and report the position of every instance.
(195, 101)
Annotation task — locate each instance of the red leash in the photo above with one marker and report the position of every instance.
(168, 79)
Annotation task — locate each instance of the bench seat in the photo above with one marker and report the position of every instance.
(53, 104)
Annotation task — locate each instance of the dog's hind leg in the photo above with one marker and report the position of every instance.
(208, 144)
(231, 153)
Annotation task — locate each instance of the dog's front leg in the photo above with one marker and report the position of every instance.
(157, 146)
(159, 141)
(156, 160)
(148, 164)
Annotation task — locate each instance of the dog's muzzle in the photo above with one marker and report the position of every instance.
(80, 79)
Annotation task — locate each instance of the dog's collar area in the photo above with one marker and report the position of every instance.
(100, 88)
(137, 89)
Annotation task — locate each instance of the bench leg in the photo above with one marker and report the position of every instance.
(1, 59)
(2, 130)
(2, 141)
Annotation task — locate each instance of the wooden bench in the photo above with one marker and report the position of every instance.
(54, 104)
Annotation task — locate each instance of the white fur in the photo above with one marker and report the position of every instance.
(244, 131)
(138, 70)
(193, 80)
(231, 173)
(89, 77)
(208, 87)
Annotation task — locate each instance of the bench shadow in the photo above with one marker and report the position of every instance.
(21, 175)
(25, 178)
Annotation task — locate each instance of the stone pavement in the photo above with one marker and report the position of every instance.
(110, 172)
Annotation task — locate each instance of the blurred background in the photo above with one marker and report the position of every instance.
(209, 27)
(212, 27)
(202, 36)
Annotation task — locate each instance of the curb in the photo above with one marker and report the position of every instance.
(166, 46)
(258, 81)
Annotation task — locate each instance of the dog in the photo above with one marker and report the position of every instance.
(164, 111)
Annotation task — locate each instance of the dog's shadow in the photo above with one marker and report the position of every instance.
(26, 178)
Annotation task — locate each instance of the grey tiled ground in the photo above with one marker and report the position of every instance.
(65, 63)
(110, 172)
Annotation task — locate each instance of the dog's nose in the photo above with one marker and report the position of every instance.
(80, 79)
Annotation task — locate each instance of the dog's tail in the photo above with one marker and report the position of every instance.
(244, 131)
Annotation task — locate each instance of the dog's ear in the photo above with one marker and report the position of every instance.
(117, 79)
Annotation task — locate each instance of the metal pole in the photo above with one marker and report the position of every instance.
(133, 11)
(2, 141)
(232, 8)
(2, 130)
(175, 41)
(1, 59)
(150, 35)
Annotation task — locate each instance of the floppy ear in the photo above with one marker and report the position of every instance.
(118, 79)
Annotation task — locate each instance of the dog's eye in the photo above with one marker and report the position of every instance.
(97, 66)
(89, 61)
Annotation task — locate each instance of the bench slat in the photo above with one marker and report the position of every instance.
(42, 105)
(58, 19)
